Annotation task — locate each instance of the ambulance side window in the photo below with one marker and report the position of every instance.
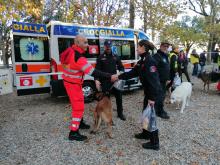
(31, 49)
(124, 49)
(64, 43)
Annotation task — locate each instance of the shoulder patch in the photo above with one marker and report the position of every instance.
(153, 69)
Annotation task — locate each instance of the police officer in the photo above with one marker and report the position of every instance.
(163, 66)
(194, 59)
(75, 65)
(110, 63)
(173, 56)
(147, 71)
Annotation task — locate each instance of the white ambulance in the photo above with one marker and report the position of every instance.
(36, 50)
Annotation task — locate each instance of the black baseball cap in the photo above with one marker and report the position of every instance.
(108, 43)
(164, 42)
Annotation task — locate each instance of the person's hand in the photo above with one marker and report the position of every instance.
(151, 103)
(98, 85)
(167, 82)
(114, 78)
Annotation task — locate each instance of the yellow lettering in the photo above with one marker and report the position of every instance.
(122, 33)
(31, 29)
(21, 27)
(35, 29)
(42, 29)
(16, 26)
(26, 28)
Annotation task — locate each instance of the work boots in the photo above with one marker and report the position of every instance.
(161, 113)
(122, 117)
(143, 135)
(83, 125)
(120, 114)
(75, 135)
(154, 141)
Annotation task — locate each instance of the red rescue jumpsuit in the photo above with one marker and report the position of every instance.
(218, 86)
(73, 72)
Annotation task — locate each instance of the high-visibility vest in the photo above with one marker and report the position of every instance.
(194, 59)
(219, 60)
(73, 71)
(175, 65)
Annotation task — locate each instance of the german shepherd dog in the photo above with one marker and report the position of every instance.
(208, 78)
(103, 111)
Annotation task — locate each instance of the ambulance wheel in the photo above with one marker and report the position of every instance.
(88, 91)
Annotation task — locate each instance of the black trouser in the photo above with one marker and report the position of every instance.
(118, 97)
(184, 70)
(145, 103)
(159, 103)
(172, 76)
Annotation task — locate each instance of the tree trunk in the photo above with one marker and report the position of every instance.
(153, 34)
(5, 62)
(132, 14)
(210, 48)
(145, 16)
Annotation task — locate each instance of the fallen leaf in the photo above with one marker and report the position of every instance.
(119, 163)
(55, 131)
(86, 141)
(119, 153)
(98, 142)
(66, 119)
(194, 163)
(68, 106)
(103, 149)
(154, 162)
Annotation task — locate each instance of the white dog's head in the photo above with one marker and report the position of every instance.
(174, 99)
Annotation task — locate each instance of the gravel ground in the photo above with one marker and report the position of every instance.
(34, 130)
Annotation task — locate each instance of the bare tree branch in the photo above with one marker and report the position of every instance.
(193, 8)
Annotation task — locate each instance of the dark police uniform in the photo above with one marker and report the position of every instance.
(147, 72)
(110, 63)
(163, 66)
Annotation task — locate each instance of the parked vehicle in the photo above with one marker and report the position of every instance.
(36, 49)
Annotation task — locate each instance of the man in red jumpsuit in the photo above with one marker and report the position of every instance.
(74, 68)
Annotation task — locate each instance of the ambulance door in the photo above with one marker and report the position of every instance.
(31, 64)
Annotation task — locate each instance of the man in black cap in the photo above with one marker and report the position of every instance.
(163, 66)
(110, 63)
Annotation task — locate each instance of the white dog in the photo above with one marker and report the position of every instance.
(182, 94)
